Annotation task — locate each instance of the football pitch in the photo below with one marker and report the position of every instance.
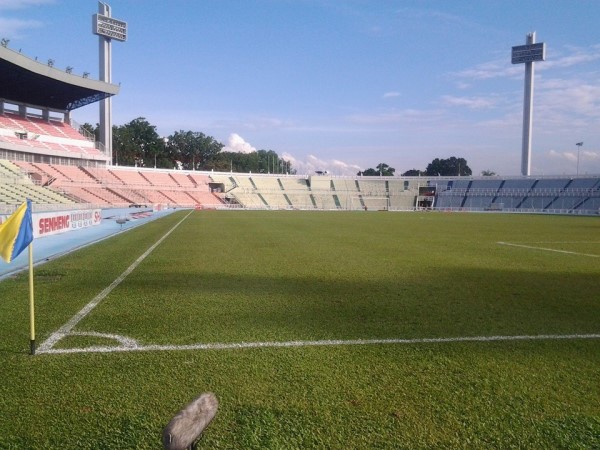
(333, 330)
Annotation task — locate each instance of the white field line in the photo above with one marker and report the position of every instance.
(66, 328)
(243, 345)
(566, 242)
(532, 247)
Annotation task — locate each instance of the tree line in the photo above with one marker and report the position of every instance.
(452, 166)
(137, 143)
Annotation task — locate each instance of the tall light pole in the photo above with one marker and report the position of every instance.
(107, 29)
(579, 144)
(528, 54)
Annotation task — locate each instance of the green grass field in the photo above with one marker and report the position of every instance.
(321, 278)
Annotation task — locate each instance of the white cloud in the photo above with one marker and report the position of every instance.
(397, 117)
(311, 164)
(489, 70)
(572, 96)
(237, 144)
(502, 68)
(439, 18)
(565, 162)
(14, 28)
(574, 57)
(562, 156)
(391, 94)
(594, 156)
(19, 4)
(469, 102)
(262, 123)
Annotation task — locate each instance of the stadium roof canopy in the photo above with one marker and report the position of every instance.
(25, 81)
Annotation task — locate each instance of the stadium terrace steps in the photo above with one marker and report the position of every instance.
(182, 180)
(182, 198)
(320, 183)
(106, 176)
(9, 169)
(51, 127)
(129, 177)
(377, 187)
(402, 201)
(83, 195)
(324, 201)
(18, 186)
(159, 179)
(278, 201)
(38, 145)
(294, 184)
(266, 183)
(300, 201)
(117, 186)
(226, 180)
(152, 196)
(199, 180)
(40, 134)
(14, 194)
(345, 185)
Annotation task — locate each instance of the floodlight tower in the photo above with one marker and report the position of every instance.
(107, 29)
(528, 54)
(579, 144)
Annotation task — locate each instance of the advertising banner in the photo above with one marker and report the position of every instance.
(55, 222)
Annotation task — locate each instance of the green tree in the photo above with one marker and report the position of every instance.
(448, 167)
(180, 146)
(194, 149)
(488, 173)
(136, 143)
(261, 161)
(382, 169)
(413, 173)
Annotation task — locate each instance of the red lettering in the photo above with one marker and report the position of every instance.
(49, 224)
(42, 227)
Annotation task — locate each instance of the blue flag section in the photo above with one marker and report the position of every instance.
(16, 233)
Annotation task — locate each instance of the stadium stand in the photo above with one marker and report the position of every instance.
(16, 186)
(199, 180)
(182, 180)
(43, 156)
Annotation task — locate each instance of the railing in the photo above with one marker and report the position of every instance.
(9, 209)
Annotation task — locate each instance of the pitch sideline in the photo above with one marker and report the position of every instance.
(131, 345)
(532, 247)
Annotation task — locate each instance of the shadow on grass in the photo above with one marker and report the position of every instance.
(213, 307)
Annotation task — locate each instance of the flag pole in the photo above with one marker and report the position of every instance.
(31, 302)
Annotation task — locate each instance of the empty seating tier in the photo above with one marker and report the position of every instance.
(126, 186)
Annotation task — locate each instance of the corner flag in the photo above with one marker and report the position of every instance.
(16, 233)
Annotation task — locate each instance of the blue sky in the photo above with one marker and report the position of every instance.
(342, 85)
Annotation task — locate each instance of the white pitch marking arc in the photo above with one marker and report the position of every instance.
(124, 341)
(67, 328)
(532, 247)
(244, 345)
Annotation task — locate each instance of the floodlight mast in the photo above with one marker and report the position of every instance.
(579, 144)
(527, 54)
(107, 29)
